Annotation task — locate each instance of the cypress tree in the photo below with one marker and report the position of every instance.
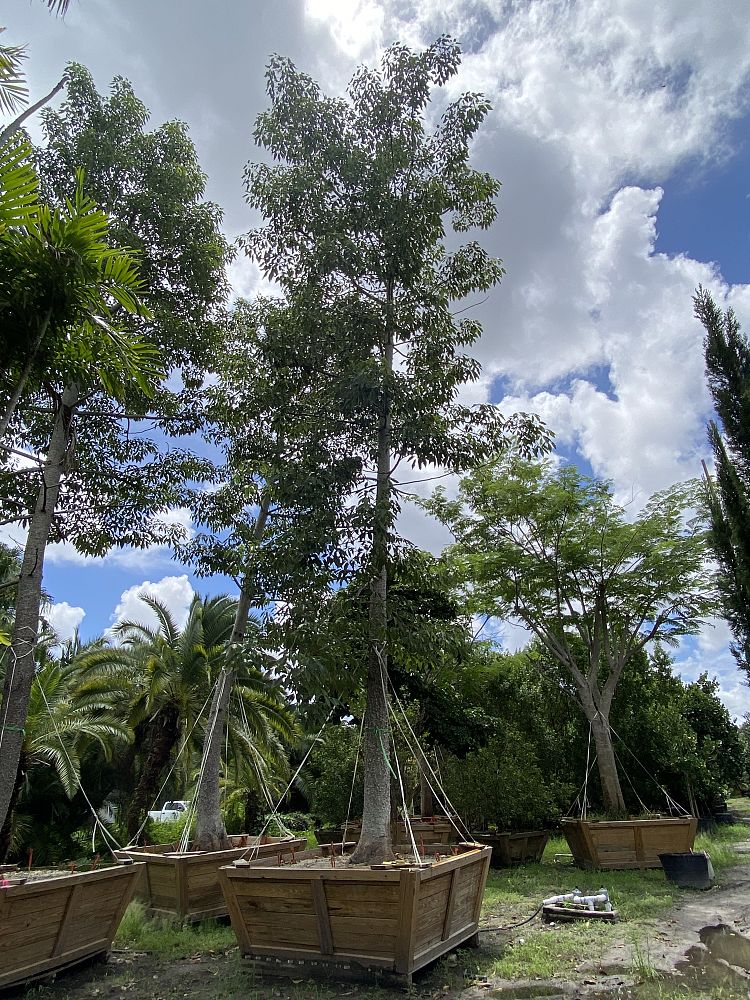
(727, 354)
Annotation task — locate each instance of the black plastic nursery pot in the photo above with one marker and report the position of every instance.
(688, 870)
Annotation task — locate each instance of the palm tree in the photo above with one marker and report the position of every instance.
(68, 715)
(171, 672)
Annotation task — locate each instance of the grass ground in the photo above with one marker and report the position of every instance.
(159, 960)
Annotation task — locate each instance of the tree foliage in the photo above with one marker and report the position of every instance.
(356, 208)
(99, 485)
(728, 373)
(553, 551)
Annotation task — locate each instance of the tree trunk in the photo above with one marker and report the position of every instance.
(20, 661)
(210, 832)
(614, 802)
(12, 404)
(375, 840)
(426, 798)
(7, 830)
(163, 733)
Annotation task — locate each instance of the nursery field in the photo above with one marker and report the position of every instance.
(633, 958)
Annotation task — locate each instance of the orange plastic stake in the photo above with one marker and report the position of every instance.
(31, 856)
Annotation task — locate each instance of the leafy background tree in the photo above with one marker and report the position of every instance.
(102, 485)
(553, 551)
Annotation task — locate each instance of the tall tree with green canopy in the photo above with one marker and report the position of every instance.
(728, 373)
(552, 550)
(356, 208)
(270, 523)
(101, 485)
(83, 232)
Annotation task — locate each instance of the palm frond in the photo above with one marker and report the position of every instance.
(13, 90)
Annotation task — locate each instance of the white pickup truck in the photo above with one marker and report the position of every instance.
(169, 811)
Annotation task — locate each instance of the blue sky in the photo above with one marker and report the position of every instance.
(620, 131)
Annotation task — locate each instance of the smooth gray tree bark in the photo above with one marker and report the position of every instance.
(210, 832)
(19, 674)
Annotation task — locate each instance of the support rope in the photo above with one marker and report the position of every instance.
(407, 817)
(207, 741)
(134, 839)
(354, 780)
(681, 810)
(254, 847)
(437, 789)
(257, 761)
(109, 838)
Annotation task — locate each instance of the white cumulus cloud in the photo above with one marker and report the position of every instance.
(64, 619)
(173, 591)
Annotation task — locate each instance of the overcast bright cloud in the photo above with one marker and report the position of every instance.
(598, 105)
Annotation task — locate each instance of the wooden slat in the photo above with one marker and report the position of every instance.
(80, 921)
(484, 871)
(298, 954)
(238, 924)
(410, 887)
(68, 925)
(321, 914)
(447, 920)
(441, 947)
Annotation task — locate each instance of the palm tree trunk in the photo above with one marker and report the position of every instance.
(163, 733)
(19, 674)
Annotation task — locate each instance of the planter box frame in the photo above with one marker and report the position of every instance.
(49, 924)
(510, 849)
(430, 829)
(186, 884)
(635, 843)
(356, 922)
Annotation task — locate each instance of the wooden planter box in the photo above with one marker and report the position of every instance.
(354, 922)
(430, 829)
(186, 885)
(49, 924)
(509, 849)
(635, 843)
(334, 834)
